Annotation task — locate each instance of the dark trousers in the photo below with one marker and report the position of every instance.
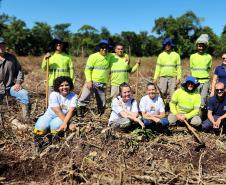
(207, 125)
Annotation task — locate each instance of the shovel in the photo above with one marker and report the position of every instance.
(193, 131)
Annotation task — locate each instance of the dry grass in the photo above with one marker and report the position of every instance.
(93, 155)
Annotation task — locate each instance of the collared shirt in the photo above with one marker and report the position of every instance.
(10, 72)
(218, 107)
(220, 71)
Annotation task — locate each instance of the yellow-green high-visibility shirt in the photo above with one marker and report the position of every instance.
(200, 66)
(60, 64)
(97, 67)
(168, 65)
(120, 69)
(185, 103)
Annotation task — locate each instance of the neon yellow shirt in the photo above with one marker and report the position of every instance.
(168, 65)
(60, 64)
(200, 66)
(185, 103)
(97, 67)
(120, 69)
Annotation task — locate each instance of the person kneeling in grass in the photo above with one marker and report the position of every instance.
(124, 109)
(152, 108)
(62, 104)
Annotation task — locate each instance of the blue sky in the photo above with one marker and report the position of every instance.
(116, 15)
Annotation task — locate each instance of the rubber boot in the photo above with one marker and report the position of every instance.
(25, 112)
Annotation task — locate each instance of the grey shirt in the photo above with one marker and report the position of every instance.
(10, 72)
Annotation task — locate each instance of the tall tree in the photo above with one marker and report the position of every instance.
(41, 37)
(18, 36)
(182, 30)
(223, 39)
(62, 30)
(88, 39)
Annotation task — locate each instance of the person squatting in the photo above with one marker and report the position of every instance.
(186, 100)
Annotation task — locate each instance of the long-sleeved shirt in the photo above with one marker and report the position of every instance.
(60, 64)
(97, 67)
(120, 70)
(185, 103)
(10, 72)
(168, 65)
(200, 66)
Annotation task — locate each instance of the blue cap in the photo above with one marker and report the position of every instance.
(168, 41)
(192, 80)
(2, 40)
(103, 41)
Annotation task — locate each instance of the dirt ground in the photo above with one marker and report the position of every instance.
(96, 155)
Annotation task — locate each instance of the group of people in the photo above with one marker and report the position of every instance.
(185, 101)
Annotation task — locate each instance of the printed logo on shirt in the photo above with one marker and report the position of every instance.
(152, 107)
(63, 107)
(224, 107)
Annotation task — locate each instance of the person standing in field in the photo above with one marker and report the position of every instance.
(200, 66)
(11, 79)
(60, 63)
(168, 68)
(219, 74)
(120, 69)
(97, 74)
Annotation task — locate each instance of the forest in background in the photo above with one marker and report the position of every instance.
(184, 30)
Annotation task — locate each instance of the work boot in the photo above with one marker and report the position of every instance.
(25, 112)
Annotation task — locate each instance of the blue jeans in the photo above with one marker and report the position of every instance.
(208, 125)
(46, 123)
(164, 122)
(21, 96)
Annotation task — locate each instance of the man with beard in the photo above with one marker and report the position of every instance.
(216, 110)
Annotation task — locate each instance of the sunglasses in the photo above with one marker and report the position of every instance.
(219, 90)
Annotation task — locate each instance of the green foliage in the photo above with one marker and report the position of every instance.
(184, 30)
(139, 134)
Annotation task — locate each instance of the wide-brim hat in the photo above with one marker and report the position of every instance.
(168, 41)
(192, 80)
(58, 40)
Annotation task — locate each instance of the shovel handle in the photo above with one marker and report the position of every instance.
(193, 131)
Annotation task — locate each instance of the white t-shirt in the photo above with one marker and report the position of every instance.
(153, 106)
(65, 103)
(118, 106)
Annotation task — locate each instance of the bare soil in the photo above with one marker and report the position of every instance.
(96, 155)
